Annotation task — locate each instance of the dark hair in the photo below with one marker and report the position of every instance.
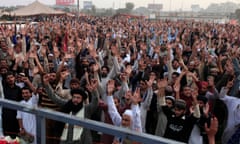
(74, 80)
(105, 67)
(9, 73)
(202, 98)
(79, 91)
(176, 73)
(26, 88)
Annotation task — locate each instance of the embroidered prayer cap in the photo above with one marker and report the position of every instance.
(170, 98)
(180, 104)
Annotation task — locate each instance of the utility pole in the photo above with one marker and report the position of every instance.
(78, 11)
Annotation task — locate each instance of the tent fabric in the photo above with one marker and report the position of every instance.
(36, 8)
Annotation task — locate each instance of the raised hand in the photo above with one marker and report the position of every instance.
(18, 60)
(46, 79)
(94, 83)
(43, 51)
(128, 70)
(25, 79)
(35, 70)
(177, 87)
(136, 98)
(206, 109)
(114, 50)
(128, 94)
(150, 82)
(32, 54)
(93, 53)
(10, 52)
(212, 130)
(110, 87)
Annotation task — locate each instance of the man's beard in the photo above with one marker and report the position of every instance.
(71, 107)
(77, 107)
(104, 75)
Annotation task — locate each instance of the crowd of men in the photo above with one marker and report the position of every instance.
(174, 79)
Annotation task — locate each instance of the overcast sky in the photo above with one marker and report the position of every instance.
(167, 4)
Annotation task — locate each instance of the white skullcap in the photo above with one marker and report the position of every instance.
(129, 113)
(65, 64)
(50, 54)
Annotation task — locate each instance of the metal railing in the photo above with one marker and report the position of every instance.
(42, 114)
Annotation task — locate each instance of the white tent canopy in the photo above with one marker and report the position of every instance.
(36, 8)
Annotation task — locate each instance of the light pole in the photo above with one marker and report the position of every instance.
(78, 8)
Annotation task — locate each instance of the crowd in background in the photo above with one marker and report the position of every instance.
(175, 79)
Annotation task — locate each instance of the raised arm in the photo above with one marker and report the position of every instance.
(196, 112)
(24, 45)
(162, 84)
(112, 110)
(92, 106)
(50, 92)
(212, 130)
(124, 85)
(135, 98)
(146, 103)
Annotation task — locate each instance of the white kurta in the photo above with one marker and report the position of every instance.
(29, 120)
(233, 105)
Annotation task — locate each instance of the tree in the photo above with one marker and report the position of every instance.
(66, 9)
(121, 11)
(93, 9)
(129, 6)
(237, 14)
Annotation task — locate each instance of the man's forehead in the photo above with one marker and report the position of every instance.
(126, 116)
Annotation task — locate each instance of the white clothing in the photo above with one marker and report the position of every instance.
(29, 120)
(20, 84)
(77, 130)
(195, 136)
(117, 119)
(145, 106)
(233, 106)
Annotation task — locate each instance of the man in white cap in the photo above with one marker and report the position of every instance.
(130, 118)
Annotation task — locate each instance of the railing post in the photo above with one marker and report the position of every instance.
(41, 129)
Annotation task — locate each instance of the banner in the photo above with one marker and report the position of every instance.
(64, 2)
